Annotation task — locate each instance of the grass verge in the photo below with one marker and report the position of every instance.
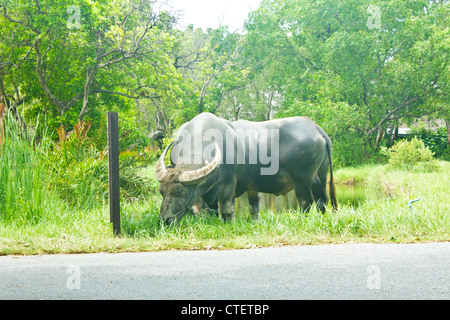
(385, 220)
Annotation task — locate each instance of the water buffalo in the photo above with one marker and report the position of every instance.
(304, 156)
(215, 160)
(200, 168)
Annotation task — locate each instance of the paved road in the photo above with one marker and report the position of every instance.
(350, 271)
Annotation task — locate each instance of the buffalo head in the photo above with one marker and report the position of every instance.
(179, 185)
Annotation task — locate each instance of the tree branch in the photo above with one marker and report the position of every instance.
(60, 104)
(63, 106)
(401, 106)
(25, 24)
(387, 117)
(296, 51)
(140, 96)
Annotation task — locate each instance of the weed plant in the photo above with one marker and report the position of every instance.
(24, 196)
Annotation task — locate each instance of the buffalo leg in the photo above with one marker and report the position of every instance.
(319, 186)
(211, 200)
(304, 196)
(226, 202)
(319, 190)
(253, 201)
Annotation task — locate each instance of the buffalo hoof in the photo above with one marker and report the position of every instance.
(227, 217)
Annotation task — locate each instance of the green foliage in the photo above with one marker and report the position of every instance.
(133, 139)
(79, 172)
(321, 59)
(327, 53)
(24, 197)
(436, 141)
(410, 155)
(119, 52)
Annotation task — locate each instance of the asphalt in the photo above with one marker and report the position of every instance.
(341, 271)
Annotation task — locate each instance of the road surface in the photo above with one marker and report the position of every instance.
(347, 271)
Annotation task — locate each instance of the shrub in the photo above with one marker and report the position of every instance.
(410, 155)
(79, 172)
(436, 141)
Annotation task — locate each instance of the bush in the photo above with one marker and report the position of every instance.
(79, 172)
(436, 141)
(410, 155)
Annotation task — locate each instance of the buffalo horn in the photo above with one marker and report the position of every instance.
(196, 176)
(161, 169)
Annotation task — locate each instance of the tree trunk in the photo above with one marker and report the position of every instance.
(202, 93)
(87, 88)
(380, 136)
(269, 106)
(236, 114)
(395, 135)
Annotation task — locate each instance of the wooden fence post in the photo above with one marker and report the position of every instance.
(113, 158)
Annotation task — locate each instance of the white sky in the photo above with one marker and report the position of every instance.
(213, 13)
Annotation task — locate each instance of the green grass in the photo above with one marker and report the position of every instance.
(24, 198)
(386, 220)
(43, 210)
(353, 175)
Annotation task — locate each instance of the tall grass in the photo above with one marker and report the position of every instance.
(24, 197)
(58, 189)
(40, 186)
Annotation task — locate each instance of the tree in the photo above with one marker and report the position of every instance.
(383, 62)
(74, 65)
(210, 64)
(15, 49)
